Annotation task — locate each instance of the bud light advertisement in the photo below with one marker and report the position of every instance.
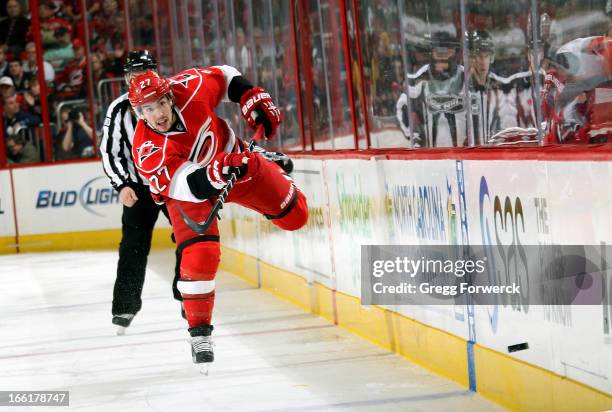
(92, 196)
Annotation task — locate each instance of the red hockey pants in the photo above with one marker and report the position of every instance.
(270, 192)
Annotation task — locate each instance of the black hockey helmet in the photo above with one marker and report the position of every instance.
(443, 39)
(139, 61)
(480, 40)
(443, 62)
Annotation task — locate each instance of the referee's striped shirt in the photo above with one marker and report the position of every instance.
(116, 145)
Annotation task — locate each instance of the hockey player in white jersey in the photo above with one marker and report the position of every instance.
(485, 87)
(437, 113)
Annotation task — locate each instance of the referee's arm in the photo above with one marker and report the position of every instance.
(115, 160)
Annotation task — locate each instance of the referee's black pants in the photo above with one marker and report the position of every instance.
(136, 232)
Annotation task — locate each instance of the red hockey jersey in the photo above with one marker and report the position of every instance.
(577, 95)
(166, 159)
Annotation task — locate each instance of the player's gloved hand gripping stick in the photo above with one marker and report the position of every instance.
(202, 227)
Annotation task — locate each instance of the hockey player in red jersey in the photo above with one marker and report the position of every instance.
(577, 93)
(188, 154)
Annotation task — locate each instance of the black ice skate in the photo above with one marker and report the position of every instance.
(279, 158)
(201, 344)
(122, 321)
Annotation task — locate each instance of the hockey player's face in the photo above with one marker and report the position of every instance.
(159, 114)
(481, 62)
(441, 57)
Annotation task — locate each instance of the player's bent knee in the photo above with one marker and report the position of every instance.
(297, 217)
(200, 261)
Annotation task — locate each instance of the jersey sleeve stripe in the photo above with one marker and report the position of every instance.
(229, 73)
(179, 187)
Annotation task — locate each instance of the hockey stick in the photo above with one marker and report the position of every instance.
(202, 227)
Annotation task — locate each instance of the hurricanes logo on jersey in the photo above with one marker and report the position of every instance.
(146, 150)
(205, 145)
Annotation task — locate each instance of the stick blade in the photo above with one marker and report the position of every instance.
(198, 228)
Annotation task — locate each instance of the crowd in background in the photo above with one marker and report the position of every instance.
(62, 35)
(394, 49)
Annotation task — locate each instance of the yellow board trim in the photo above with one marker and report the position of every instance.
(370, 322)
(292, 288)
(519, 385)
(322, 302)
(432, 348)
(88, 240)
(512, 383)
(7, 245)
(236, 262)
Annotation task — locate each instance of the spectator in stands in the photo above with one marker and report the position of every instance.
(279, 53)
(64, 51)
(261, 51)
(144, 29)
(3, 61)
(265, 74)
(20, 151)
(94, 7)
(382, 75)
(118, 24)
(49, 24)
(31, 64)
(108, 21)
(97, 68)
(98, 44)
(31, 98)
(75, 139)
(71, 81)
(14, 28)
(118, 55)
(7, 88)
(238, 55)
(21, 79)
(15, 118)
(513, 37)
(70, 9)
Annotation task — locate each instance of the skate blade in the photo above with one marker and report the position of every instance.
(121, 330)
(205, 369)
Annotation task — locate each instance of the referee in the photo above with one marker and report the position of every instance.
(140, 212)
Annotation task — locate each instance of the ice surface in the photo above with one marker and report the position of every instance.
(56, 334)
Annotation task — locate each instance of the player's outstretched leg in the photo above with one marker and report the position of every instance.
(294, 215)
(272, 192)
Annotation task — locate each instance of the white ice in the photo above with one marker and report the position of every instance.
(56, 334)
